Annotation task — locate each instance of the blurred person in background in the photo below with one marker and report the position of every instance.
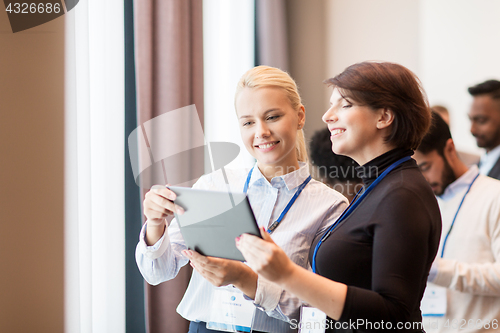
(468, 158)
(485, 125)
(336, 171)
(443, 112)
(468, 260)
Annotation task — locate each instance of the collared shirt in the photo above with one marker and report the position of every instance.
(470, 267)
(488, 160)
(460, 185)
(315, 209)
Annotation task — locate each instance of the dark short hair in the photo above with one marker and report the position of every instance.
(489, 87)
(436, 137)
(440, 109)
(390, 86)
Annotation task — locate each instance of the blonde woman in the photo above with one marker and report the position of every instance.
(270, 117)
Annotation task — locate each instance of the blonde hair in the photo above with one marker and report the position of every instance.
(265, 76)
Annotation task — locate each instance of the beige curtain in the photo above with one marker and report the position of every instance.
(169, 72)
(271, 33)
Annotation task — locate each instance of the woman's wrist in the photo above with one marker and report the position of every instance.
(288, 276)
(247, 281)
(154, 232)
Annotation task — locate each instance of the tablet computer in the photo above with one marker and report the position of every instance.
(213, 219)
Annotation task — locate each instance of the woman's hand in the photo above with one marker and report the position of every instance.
(221, 272)
(265, 257)
(157, 205)
(272, 263)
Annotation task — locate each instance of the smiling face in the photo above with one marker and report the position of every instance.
(268, 126)
(356, 130)
(436, 170)
(485, 121)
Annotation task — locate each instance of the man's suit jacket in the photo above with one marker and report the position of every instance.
(495, 171)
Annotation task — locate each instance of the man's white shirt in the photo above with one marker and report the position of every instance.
(488, 161)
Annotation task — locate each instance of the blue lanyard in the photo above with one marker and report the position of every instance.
(275, 224)
(352, 206)
(456, 214)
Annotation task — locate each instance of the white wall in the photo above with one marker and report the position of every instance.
(359, 30)
(459, 48)
(449, 44)
(326, 36)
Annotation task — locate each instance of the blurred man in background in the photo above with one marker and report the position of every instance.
(468, 260)
(485, 125)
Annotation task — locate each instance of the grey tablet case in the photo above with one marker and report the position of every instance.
(212, 220)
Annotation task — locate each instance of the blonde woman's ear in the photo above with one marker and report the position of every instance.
(302, 117)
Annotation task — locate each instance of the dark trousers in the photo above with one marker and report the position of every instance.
(201, 327)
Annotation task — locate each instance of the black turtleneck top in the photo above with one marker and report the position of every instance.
(384, 249)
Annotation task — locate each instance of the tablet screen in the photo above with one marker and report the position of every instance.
(213, 219)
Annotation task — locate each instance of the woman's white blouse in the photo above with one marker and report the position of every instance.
(315, 209)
